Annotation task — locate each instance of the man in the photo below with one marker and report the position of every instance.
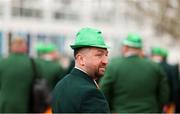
(177, 99)
(133, 84)
(159, 55)
(78, 92)
(15, 79)
(50, 69)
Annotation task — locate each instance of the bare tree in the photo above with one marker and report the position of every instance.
(164, 13)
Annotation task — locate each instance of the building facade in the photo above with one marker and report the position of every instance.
(57, 21)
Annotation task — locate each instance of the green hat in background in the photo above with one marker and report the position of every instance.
(40, 48)
(133, 40)
(165, 52)
(159, 51)
(50, 48)
(89, 37)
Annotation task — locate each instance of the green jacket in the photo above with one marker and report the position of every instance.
(134, 84)
(15, 81)
(78, 93)
(50, 70)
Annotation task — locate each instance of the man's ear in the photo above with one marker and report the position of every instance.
(81, 59)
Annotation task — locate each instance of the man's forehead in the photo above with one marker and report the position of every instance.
(99, 49)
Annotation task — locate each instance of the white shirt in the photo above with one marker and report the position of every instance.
(87, 74)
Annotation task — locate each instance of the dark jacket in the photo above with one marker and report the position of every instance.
(50, 70)
(172, 77)
(78, 93)
(15, 82)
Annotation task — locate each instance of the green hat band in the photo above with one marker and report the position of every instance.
(132, 44)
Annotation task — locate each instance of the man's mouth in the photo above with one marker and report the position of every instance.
(102, 69)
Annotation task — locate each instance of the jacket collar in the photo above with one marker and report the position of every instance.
(80, 73)
(17, 54)
(132, 56)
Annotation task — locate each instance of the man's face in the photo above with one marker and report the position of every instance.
(157, 58)
(95, 61)
(19, 47)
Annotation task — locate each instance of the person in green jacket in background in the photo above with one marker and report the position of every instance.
(78, 91)
(49, 64)
(48, 67)
(15, 79)
(133, 84)
(159, 55)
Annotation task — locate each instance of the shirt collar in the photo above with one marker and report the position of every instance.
(81, 69)
(88, 75)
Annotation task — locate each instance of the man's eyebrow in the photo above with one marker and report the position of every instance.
(102, 51)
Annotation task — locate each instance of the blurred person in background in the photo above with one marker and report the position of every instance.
(70, 66)
(49, 63)
(159, 55)
(15, 79)
(78, 92)
(133, 84)
(177, 99)
(49, 68)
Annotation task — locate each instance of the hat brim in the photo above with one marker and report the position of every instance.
(80, 46)
(130, 44)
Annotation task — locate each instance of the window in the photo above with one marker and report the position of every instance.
(27, 8)
(1, 8)
(106, 11)
(66, 10)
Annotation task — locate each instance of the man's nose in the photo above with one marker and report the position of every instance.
(105, 59)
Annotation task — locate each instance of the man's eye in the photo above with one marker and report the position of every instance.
(106, 54)
(99, 55)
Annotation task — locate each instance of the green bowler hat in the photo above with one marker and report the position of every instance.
(40, 48)
(159, 51)
(133, 40)
(165, 52)
(50, 48)
(89, 37)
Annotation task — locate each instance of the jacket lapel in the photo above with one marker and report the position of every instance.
(77, 72)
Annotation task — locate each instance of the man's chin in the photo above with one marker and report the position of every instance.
(102, 70)
(101, 73)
